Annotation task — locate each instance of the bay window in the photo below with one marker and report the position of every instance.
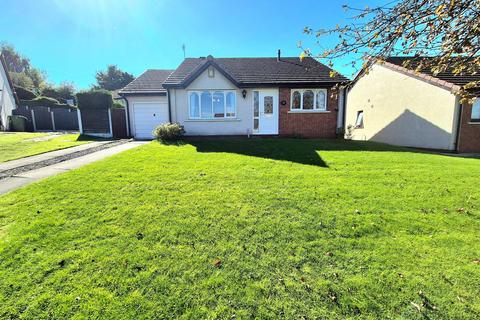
(213, 104)
(309, 100)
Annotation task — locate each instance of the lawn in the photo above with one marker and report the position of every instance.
(261, 228)
(15, 145)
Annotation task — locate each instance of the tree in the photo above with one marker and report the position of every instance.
(62, 92)
(448, 30)
(22, 72)
(112, 79)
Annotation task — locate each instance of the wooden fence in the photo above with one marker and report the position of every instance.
(105, 123)
(49, 119)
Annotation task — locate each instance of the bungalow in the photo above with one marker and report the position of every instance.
(396, 105)
(238, 96)
(8, 98)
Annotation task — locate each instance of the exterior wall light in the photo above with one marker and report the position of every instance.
(244, 93)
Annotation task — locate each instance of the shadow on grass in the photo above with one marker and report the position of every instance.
(83, 137)
(303, 151)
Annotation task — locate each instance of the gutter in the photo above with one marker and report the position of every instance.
(127, 111)
(169, 107)
(344, 106)
(459, 124)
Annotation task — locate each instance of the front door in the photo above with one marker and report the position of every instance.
(265, 111)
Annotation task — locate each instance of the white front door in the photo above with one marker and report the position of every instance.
(148, 115)
(265, 111)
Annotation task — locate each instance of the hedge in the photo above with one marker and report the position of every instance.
(24, 94)
(94, 99)
(44, 102)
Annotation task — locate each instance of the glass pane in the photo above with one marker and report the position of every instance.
(206, 104)
(230, 104)
(255, 124)
(308, 100)
(321, 101)
(296, 100)
(476, 109)
(359, 122)
(218, 104)
(255, 103)
(194, 105)
(268, 105)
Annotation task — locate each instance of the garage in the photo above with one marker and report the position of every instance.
(147, 116)
(147, 103)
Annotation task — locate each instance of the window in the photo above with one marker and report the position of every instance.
(476, 110)
(309, 100)
(194, 105)
(359, 122)
(268, 105)
(255, 104)
(206, 105)
(321, 101)
(296, 100)
(230, 105)
(218, 104)
(212, 104)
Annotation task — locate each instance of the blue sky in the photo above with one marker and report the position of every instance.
(71, 39)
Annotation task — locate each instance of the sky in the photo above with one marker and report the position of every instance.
(72, 39)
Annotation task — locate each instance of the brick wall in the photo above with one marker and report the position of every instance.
(469, 138)
(308, 124)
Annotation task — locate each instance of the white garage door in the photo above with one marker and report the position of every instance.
(147, 116)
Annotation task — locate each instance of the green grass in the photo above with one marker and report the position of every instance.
(232, 228)
(22, 144)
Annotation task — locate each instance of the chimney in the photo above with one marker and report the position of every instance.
(278, 56)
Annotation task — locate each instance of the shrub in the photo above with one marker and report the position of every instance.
(118, 105)
(42, 102)
(24, 93)
(169, 132)
(94, 99)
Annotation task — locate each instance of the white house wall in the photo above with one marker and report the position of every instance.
(241, 125)
(7, 99)
(401, 110)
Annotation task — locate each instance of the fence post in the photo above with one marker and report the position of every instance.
(79, 116)
(110, 121)
(33, 120)
(53, 119)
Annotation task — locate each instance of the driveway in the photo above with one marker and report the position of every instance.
(24, 178)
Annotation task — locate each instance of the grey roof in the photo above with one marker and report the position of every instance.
(248, 72)
(148, 82)
(448, 75)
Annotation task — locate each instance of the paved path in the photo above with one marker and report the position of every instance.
(25, 178)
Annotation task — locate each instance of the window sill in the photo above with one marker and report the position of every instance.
(308, 111)
(474, 122)
(214, 120)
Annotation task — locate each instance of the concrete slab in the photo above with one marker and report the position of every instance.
(12, 183)
(48, 155)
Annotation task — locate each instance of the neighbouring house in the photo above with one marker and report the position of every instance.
(238, 96)
(8, 98)
(399, 106)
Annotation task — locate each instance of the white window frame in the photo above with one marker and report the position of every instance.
(475, 104)
(359, 121)
(315, 109)
(225, 92)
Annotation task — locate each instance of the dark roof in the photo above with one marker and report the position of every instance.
(9, 79)
(148, 82)
(249, 72)
(447, 76)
